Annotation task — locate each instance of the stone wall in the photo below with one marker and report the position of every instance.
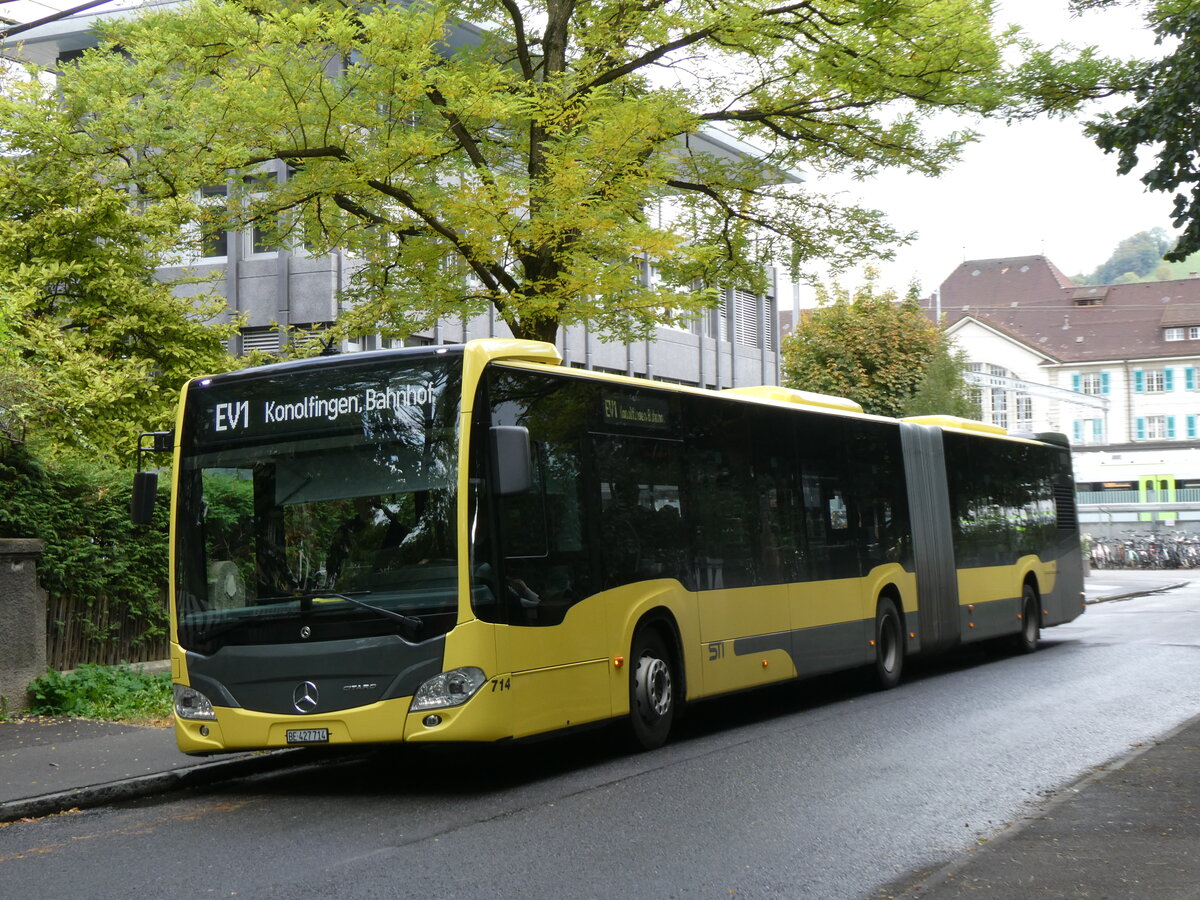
(22, 620)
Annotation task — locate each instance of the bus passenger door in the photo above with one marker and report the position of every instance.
(740, 559)
(550, 633)
(554, 639)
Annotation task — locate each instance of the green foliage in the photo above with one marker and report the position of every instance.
(81, 512)
(547, 149)
(1136, 258)
(1189, 267)
(102, 692)
(1162, 120)
(96, 347)
(867, 345)
(943, 389)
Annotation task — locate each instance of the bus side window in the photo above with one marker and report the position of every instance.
(779, 519)
(641, 512)
(830, 506)
(724, 513)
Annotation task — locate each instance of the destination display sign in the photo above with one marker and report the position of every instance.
(651, 413)
(374, 400)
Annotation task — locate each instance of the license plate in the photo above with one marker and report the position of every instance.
(307, 736)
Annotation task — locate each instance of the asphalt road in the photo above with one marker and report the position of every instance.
(822, 790)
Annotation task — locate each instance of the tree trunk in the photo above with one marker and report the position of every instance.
(536, 330)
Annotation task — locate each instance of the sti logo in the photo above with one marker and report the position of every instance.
(229, 416)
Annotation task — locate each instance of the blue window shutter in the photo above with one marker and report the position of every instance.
(1098, 430)
(1191, 426)
(1170, 425)
(1189, 378)
(1168, 379)
(1141, 428)
(1078, 428)
(1139, 381)
(1075, 382)
(1104, 382)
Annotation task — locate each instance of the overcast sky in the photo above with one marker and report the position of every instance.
(1032, 188)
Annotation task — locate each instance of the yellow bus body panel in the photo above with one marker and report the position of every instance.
(559, 672)
(985, 584)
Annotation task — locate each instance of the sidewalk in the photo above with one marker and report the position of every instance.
(1129, 830)
(50, 765)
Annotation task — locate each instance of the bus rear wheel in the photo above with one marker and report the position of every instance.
(1031, 625)
(889, 645)
(652, 691)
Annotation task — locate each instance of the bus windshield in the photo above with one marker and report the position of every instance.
(319, 505)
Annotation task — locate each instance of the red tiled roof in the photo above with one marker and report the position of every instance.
(1028, 298)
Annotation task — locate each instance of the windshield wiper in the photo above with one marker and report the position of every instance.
(410, 626)
(409, 623)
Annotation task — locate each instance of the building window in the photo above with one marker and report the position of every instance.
(1093, 383)
(259, 236)
(214, 238)
(1152, 381)
(1024, 412)
(1194, 333)
(1173, 334)
(1155, 428)
(1089, 431)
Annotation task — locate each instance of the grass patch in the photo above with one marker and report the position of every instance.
(116, 693)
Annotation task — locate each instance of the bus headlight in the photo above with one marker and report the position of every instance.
(191, 704)
(451, 688)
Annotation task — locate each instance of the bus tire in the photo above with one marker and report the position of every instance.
(653, 697)
(1031, 625)
(889, 645)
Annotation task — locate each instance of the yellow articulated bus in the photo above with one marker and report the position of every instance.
(476, 543)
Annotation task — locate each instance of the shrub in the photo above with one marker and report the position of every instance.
(102, 692)
(95, 558)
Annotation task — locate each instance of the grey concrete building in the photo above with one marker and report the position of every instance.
(285, 293)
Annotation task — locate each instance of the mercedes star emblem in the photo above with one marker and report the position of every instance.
(305, 631)
(305, 696)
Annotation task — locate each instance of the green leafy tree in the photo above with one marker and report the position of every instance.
(528, 160)
(868, 345)
(95, 347)
(1162, 121)
(943, 389)
(1139, 256)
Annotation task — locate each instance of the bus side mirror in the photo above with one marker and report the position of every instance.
(510, 459)
(145, 484)
(145, 490)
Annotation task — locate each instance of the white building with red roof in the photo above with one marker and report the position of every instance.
(1114, 367)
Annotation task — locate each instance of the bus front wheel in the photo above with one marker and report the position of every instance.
(652, 691)
(889, 645)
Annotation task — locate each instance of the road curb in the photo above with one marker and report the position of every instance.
(143, 785)
(1133, 594)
